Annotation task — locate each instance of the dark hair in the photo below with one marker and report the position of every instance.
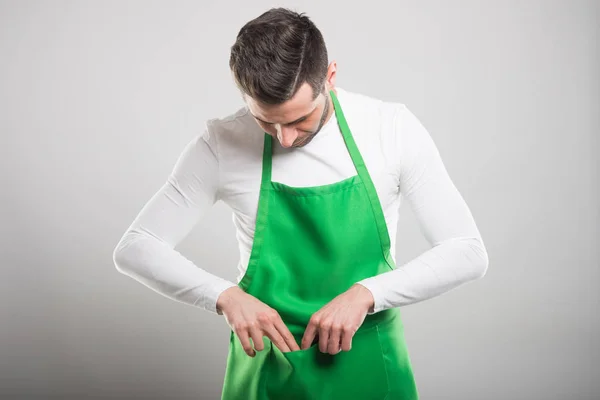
(275, 53)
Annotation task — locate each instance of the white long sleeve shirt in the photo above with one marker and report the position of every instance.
(224, 162)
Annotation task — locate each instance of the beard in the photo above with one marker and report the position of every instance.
(310, 137)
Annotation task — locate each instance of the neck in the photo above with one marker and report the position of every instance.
(331, 109)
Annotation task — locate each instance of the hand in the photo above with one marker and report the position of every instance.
(249, 317)
(337, 321)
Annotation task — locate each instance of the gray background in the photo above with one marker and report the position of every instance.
(98, 98)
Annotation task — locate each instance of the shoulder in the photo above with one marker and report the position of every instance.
(369, 107)
(229, 119)
(235, 130)
(238, 121)
(375, 118)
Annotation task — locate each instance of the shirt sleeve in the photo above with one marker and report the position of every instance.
(146, 252)
(457, 254)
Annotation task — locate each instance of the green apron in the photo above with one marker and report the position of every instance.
(310, 245)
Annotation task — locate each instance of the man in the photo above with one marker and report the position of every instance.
(314, 175)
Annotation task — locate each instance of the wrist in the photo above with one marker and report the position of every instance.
(224, 299)
(366, 297)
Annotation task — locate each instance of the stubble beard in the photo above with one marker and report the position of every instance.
(324, 114)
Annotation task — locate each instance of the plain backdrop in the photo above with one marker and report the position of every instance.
(98, 99)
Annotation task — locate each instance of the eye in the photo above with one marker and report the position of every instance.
(263, 122)
(297, 122)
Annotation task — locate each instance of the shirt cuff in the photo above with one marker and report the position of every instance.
(213, 293)
(371, 284)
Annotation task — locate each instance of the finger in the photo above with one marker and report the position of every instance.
(324, 338)
(278, 340)
(244, 339)
(257, 338)
(286, 335)
(309, 335)
(347, 335)
(333, 346)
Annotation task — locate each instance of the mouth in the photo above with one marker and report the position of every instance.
(303, 142)
(298, 144)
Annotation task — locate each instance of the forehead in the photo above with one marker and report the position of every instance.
(298, 106)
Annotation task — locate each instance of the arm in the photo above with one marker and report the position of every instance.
(457, 254)
(146, 251)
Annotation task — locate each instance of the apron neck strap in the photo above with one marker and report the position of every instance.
(357, 159)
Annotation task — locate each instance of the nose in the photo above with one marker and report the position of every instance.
(286, 135)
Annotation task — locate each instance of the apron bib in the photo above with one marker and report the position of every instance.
(310, 245)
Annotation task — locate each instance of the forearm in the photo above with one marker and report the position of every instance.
(436, 271)
(163, 269)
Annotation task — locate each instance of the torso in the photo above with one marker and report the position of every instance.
(324, 160)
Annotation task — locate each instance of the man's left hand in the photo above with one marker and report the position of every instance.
(337, 321)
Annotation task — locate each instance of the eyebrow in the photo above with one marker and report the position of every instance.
(289, 123)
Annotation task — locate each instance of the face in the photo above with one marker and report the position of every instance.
(295, 122)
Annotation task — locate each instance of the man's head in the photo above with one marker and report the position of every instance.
(279, 63)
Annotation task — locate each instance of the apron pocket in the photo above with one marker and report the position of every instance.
(309, 374)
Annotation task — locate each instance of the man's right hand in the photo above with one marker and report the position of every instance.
(249, 317)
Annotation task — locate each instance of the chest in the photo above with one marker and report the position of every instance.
(327, 162)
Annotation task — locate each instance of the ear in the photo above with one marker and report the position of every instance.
(331, 75)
